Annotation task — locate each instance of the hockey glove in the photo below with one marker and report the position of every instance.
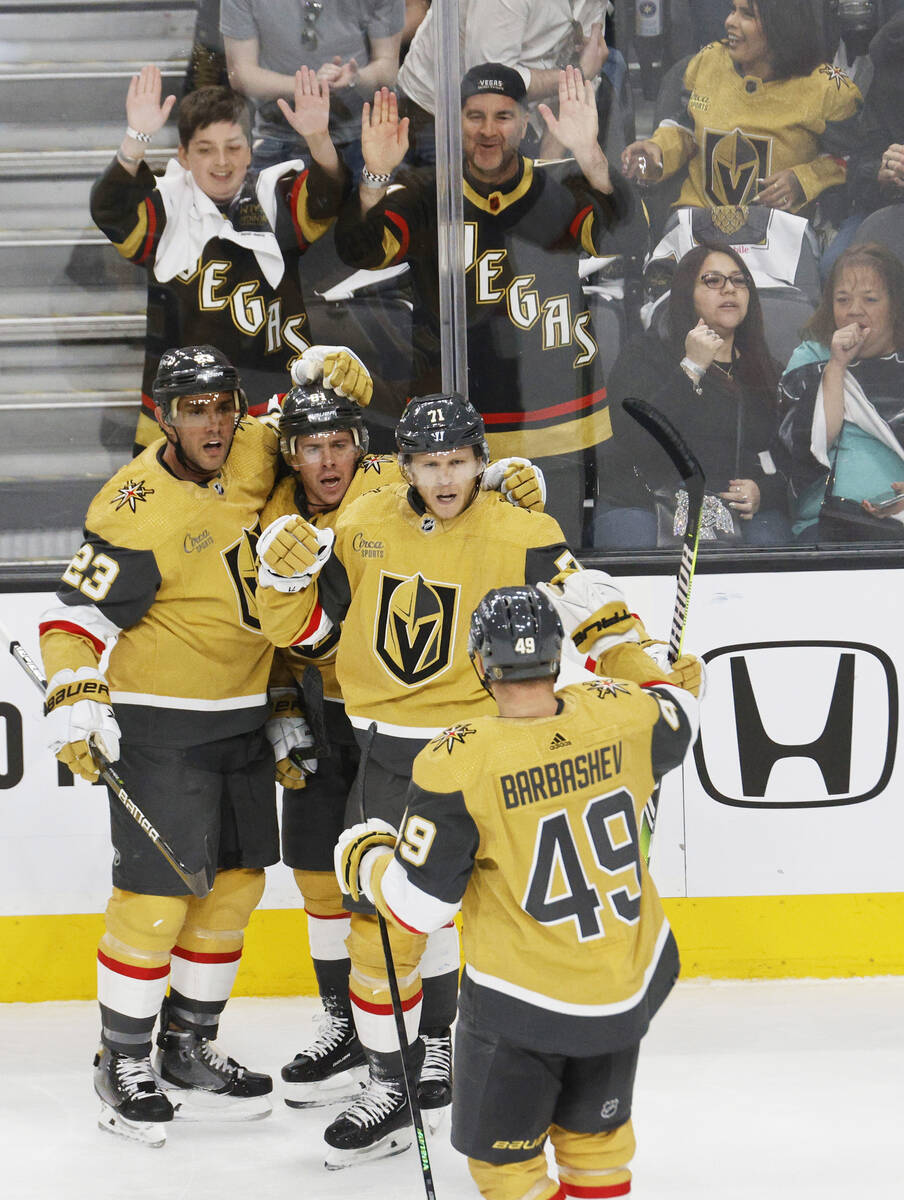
(340, 369)
(353, 857)
(291, 553)
(522, 483)
(687, 671)
(77, 706)
(631, 661)
(291, 738)
(593, 611)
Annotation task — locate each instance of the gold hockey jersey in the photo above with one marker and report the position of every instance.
(737, 129)
(404, 583)
(167, 570)
(531, 826)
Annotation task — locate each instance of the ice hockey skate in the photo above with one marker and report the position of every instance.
(331, 1070)
(434, 1085)
(204, 1084)
(132, 1104)
(375, 1125)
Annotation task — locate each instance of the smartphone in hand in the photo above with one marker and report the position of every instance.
(886, 499)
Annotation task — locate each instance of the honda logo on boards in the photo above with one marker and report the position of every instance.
(797, 724)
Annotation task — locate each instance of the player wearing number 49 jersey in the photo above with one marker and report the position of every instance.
(528, 821)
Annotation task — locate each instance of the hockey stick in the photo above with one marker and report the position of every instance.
(414, 1107)
(195, 881)
(687, 466)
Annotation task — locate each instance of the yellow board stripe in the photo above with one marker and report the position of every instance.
(746, 937)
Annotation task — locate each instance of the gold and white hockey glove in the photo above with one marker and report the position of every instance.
(291, 553)
(290, 736)
(354, 858)
(79, 713)
(519, 480)
(339, 368)
(593, 611)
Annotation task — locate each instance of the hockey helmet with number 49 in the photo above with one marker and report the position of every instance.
(438, 423)
(517, 635)
(310, 409)
(195, 371)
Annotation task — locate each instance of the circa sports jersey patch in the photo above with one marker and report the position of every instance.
(413, 637)
(130, 493)
(450, 738)
(606, 688)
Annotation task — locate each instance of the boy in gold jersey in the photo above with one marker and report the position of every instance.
(528, 821)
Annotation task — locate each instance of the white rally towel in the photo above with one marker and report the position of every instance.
(192, 219)
(860, 411)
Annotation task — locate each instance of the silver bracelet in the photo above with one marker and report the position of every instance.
(131, 159)
(374, 179)
(689, 366)
(138, 137)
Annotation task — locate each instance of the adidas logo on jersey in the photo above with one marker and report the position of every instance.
(559, 742)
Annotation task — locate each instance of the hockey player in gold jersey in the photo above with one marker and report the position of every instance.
(528, 821)
(409, 564)
(166, 577)
(324, 442)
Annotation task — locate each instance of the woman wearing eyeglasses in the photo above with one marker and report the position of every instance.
(711, 373)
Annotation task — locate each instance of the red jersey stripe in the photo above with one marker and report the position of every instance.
(564, 409)
(71, 627)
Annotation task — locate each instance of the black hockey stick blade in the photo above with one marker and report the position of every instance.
(196, 881)
(661, 428)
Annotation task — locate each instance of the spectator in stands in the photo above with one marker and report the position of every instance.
(534, 364)
(875, 171)
(714, 378)
(353, 47)
(760, 115)
(222, 249)
(842, 397)
(537, 39)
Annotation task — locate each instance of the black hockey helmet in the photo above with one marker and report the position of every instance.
(312, 408)
(439, 422)
(517, 634)
(195, 371)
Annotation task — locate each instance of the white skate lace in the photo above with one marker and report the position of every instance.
(330, 1032)
(217, 1060)
(437, 1057)
(135, 1075)
(377, 1101)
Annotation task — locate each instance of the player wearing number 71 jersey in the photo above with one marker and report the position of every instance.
(528, 821)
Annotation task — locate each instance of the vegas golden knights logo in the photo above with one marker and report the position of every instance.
(415, 626)
(733, 162)
(240, 561)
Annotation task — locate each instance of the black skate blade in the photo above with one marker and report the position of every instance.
(396, 1142)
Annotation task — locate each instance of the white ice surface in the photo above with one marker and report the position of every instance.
(745, 1091)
